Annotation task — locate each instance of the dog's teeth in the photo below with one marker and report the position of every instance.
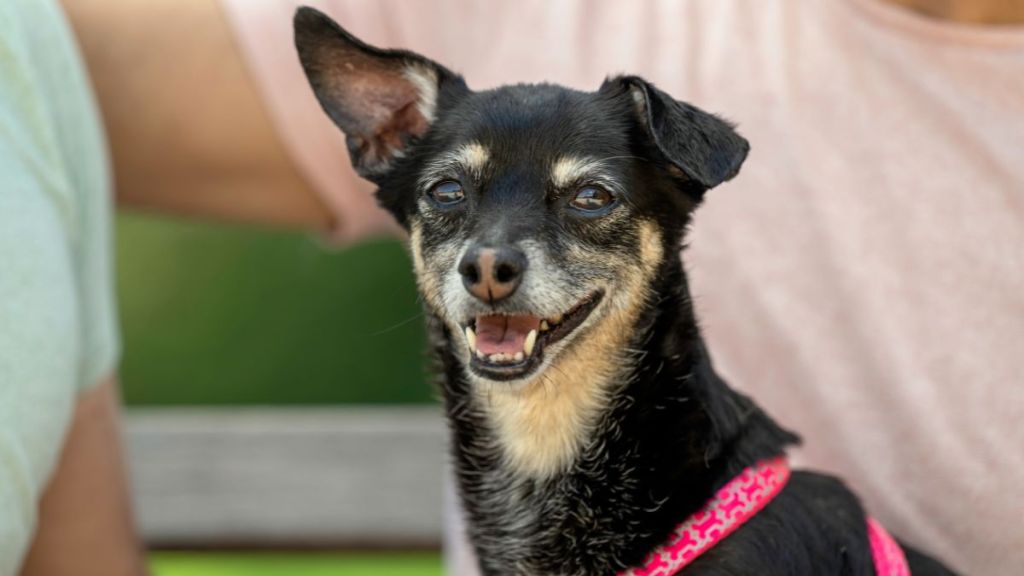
(531, 339)
(558, 319)
(504, 358)
(544, 327)
(480, 355)
(471, 338)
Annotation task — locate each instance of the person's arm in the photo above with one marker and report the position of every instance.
(968, 11)
(188, 132)
(85, 519)
(189, 136)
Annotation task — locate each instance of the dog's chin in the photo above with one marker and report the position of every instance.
(511, 349)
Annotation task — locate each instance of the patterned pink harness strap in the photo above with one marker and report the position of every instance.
(889, 558)
(735, 503)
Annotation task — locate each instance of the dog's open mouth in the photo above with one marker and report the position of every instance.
(506, 347)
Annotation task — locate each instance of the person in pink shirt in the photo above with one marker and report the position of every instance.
(863, 277)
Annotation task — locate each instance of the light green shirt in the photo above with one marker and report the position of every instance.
(58, 329)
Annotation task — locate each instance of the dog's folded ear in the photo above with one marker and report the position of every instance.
(704, 147)
(381, 99)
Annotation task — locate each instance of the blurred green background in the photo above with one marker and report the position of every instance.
(223, 314)
(293, 564)
(226, 314)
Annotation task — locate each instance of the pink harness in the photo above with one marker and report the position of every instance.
(735, 503)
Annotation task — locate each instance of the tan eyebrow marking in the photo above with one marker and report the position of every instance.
(570, 169)
(471, 157)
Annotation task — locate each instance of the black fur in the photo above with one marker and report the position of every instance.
(673, 431)
(699, 144)
(676, 434)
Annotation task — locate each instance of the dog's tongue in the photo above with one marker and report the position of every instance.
(503, 334)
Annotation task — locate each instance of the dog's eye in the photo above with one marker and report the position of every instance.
(591, 199)
(448, 192)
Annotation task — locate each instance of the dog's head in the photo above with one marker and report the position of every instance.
(538, 215)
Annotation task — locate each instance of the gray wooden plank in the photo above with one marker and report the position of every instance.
(351, 476)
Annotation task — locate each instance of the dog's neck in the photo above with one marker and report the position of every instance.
(662, 435)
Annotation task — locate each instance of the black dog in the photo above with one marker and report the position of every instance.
(545, 225)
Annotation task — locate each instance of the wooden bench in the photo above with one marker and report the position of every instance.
(352, 477)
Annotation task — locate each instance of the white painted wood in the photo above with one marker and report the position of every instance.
(352, 476)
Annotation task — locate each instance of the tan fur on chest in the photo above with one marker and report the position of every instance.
(542, 427)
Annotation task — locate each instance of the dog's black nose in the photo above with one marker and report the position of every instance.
(492, 274)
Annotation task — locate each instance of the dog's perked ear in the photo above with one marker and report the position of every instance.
(381, 99)
(703, 146)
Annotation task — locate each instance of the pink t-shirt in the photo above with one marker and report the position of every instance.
(863, 277)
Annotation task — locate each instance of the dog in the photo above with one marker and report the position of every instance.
(590, 432)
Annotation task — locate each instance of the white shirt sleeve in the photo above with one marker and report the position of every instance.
(58, 329)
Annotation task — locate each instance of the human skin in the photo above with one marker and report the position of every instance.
(189, 136)
(187, 130)
(990, 12)
(85, 516)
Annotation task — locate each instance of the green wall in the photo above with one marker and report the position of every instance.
(224, 314)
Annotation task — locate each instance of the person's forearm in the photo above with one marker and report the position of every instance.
(187, 129)
(85, 518)
(969, 11)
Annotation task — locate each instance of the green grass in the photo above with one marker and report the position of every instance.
(221, 314)
(295, 564)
